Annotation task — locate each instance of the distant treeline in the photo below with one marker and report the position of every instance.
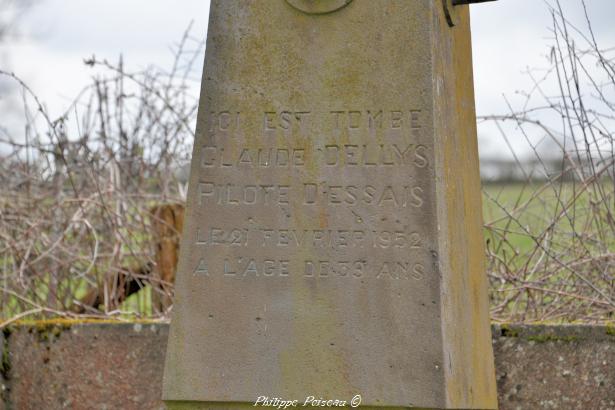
(539, 169)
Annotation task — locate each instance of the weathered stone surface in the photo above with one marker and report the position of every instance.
(86, 367)
(333, 239)
(94, 367)
(563, 367)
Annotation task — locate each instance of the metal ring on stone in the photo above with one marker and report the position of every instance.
(318, 6)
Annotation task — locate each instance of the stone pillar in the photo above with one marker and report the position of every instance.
(333, 243)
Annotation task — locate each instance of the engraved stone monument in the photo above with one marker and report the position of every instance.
(332, 246)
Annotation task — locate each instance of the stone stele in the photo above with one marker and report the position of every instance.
(332, 244)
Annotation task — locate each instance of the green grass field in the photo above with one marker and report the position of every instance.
(525, 212)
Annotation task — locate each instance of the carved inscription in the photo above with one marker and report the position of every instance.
(331, 155)
(354, 178)
(312, 268)
(310, 194)
(312, 238)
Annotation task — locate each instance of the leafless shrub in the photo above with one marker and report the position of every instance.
(551, 240)
(75, 191)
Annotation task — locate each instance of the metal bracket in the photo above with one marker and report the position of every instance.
(449, 10)
(460, 2)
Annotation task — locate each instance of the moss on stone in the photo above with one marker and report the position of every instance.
(544, 338)
(5, 360)
(506, 331)
(68, 322)
(49, 329)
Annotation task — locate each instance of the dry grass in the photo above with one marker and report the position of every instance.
(551, 244)
(75, 191)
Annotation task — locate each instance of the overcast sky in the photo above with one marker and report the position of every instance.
(56, 35)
